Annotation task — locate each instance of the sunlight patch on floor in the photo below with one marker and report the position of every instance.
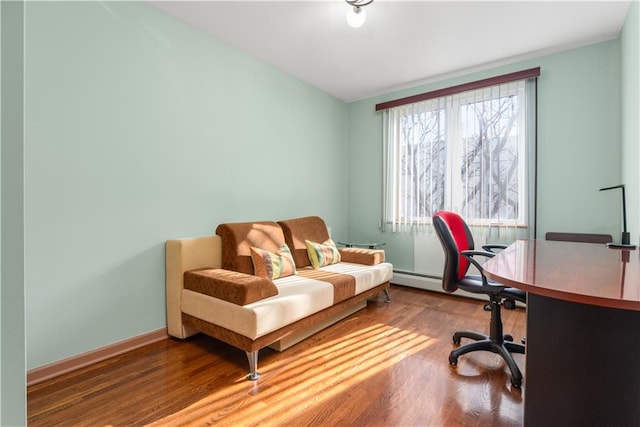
(291, 384)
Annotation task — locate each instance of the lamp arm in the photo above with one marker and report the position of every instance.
(624, 211)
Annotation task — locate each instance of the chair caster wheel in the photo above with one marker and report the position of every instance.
(456, 339)
(507, 337)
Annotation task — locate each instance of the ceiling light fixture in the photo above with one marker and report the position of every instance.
(357, 15)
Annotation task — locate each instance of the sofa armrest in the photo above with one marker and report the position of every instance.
(184, 255)
(362, 256)
(231, 286)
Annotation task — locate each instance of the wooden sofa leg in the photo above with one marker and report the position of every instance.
(253, 365)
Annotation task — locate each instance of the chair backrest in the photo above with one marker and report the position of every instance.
(579, 237)
(455, 236)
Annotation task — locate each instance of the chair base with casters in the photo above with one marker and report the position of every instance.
(496, 341)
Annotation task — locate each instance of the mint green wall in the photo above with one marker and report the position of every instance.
(630, 76)
(578, 147)
(12, 300)
(140, 129)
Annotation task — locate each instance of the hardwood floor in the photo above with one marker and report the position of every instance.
(385, 365)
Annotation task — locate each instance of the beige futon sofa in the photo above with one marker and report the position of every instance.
(223, 285)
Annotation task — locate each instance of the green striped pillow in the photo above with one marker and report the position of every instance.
(321, 254)
(272, 266)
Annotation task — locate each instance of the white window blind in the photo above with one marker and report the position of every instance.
(472, 152)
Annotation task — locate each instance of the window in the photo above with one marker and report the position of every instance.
(471, 151)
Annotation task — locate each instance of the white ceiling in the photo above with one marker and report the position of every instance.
(402, 43)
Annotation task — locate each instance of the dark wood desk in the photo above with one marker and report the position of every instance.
(583, 331)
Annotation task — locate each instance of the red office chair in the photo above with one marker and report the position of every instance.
(457, 242)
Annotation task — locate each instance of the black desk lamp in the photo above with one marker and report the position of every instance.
(625, 242)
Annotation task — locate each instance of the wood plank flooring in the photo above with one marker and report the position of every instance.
(386, 365)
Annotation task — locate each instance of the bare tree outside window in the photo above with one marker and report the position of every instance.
(423, 161)
(490, 158)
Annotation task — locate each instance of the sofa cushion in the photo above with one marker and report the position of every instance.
(297, 230)
(321, 254)
(238, 238)
(344, 285)
(272, 265)
(362, 256)
(231, 286)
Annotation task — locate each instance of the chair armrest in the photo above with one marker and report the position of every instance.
(493, 246)
(470, 254)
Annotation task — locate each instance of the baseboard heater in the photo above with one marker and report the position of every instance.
(430, 282)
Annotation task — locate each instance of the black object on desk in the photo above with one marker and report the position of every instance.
(625, 241)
